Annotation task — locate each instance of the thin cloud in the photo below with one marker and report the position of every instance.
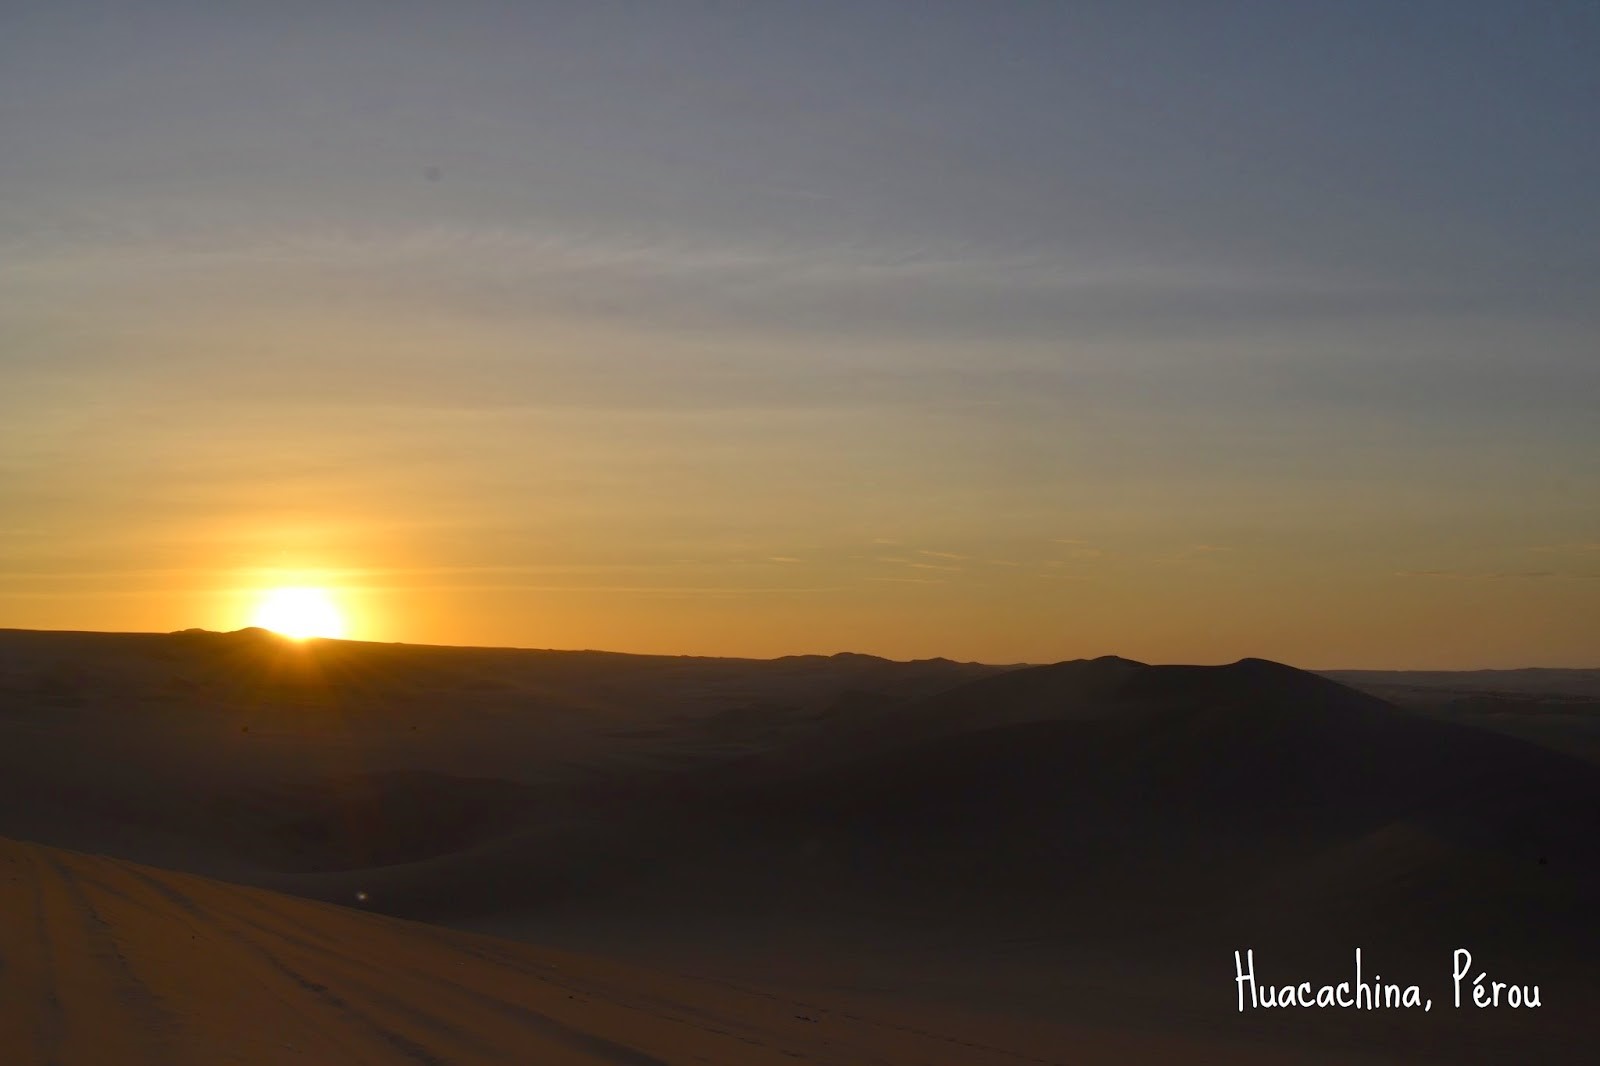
(1079, 549)
(1477, 575)
(642, 590)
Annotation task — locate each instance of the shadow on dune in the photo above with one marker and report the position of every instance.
(1088, 809)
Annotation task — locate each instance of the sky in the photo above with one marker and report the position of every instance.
(1001, 331)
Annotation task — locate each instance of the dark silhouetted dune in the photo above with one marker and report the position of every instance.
(1559, 709)
(1179, 795)
(1082, 842)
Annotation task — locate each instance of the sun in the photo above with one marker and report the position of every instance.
(299, 613)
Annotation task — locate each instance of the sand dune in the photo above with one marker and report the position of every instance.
(109, 962)
(1073, 849)
(1559, 709)
(245, 755)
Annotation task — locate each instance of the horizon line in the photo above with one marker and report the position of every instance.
(1020, 664)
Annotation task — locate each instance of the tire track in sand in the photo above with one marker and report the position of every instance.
(100, 1002)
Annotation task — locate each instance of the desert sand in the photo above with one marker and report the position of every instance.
(233, 847)
(111, 962)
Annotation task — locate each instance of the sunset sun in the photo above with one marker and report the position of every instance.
(299, 613)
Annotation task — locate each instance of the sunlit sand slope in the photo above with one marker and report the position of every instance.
(106, 962)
